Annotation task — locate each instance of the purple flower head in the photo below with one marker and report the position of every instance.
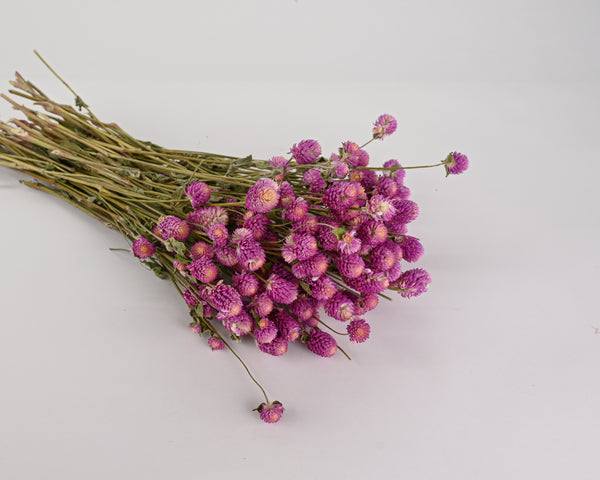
(350, 266)
(172, 227)
(340, 196)
(399, 174)
(271, 412)
(412, 283)
(299, 246)
(191, 297)
(264, 304)
(412, 250)
(340, 169)
(326, 236)
(181, 267)
(251, 255)
(366, 303)
(313, 267)
(246, 283)
(306, 151)
(382, 258)
(196, 328)
(258, 224)
(276, 347)
(368, 282)
(354, 155)
(349, 243)
(198, 193)
(340, 307)
(372, 232)
(403, 193)
(278, 162)
(266, 332)
(226, 255)
(216, 343)
(286, 194)
(296, 210)
(263, 196)
(218, 233)
(321, 343)
(281, 290)
(406, 212)
(203, 217)
(226, 300)
(303, 308)
(385, 125)
(381, 208)
(394, 273)
(456, 163)
(386, 186)
(288, 328)
(323, 288)
(308, 224)
(201, 250)
(314, 180)
(240, 324)
(203, 270)
(143, 248)
(359, 330)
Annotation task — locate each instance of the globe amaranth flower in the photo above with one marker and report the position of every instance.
(386, 186)
(265, 332)
(350, 266)
(278, 162)
(313, 267)
(240, 324)
(281, 290)
(303, 308)
(203, 270)
(340, 307)
(246, 284)
(218, 233)
(321, 343)
(172, 227)
(323, 288)
(296, 210)
(412, 249)
(286, 194)
(385, 125)
(196, 328)
(354, 155)
(348, 243)
(202, 218)
(276, 347)
(251, 255)
(257, 224)
(368, 282)
(366, 303)
(226, 299)
(198, 193)
(271, 412)
(398, 173)
(406, 212)
(288, 328)
(306, 151)
(201, 250)
(412, 283)
(358, 330)
(143, 248)
(456, 163)
(216, 343)
(372, 232)
(299, 246)
(264, 304)
(382, 258)
(314, 180)
(227, 255)
(263, 196)
(339, 169)
(191, 297)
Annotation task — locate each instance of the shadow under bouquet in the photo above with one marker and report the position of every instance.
(258, 249)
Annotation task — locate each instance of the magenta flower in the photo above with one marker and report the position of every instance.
(358, 330)
(246, 283)
(239, 324)
(198, 193)
(216, 343)
(369, 282)
(272, 412)
(276, 347)
(203, 217)
(296, 210)
(191, 297)
(288, 328)
(263, 196)
(226, 299)
(313, 267)
(203, 270)
(196, 328)
(266, 332)
(372, 232)
(323, 288)
(385, 125)
(201, 250)
(350, 266)
(264, 304)
(340, 169)
(412, 250)
(303, 308)
(218, 233)
(143, 248)
(306, 151)
(227, 255)
(281, 290)
(340, 307)
(412, 283)
(286, 194)
(387, 187)
(321, 343)
(406, 212)
(382, 258)
(278, 162)
(456, 163)
(172, 227)
(258, 224)
(250, 255)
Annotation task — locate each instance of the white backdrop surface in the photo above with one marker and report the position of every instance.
(493, 374)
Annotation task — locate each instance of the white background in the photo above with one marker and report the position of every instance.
(494, 374)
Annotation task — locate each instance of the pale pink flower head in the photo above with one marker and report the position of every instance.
(216, 343)
(381, 208)
(198, 193)
(456, 163)
(306, 151)
(263, 196)
(321, 343)
(196, 328)
(143, 248)
(385, 125)
(358, 330)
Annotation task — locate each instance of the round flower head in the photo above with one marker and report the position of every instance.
(340, 169)
(218, 233)
(226, 299)
(239, 324)
(382, 258)
(327, 238)
(323, 288)
(406, 211)
(340, 307)
(350, 266)
(276, 347)
(203, 270)
(303, 308)
(296, 210)
(286, 194)
(271, 412)
(369, 282)
(394, 273)
(412, 283)
(216, 343)
(263, 196)
(313, 267)
(385, 125)
(306, 151)
(321, 343)
(412, 250)
(201, 250)
(366, 303)
(251, 255)
(372, 232)
(278, 162)
(359, 330)
(258, 224)
(348, 243)
(172, 227)
(314, 180)
(266, 332)
(191, 297)
(387, 186)
(143, 248)
(288, 328)
(203, 217)
(246, 283)
(196, 328)
(264, 304)
(281, 290)
(227, 255)
(456, 163)
(198, 193)
(398, 174)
